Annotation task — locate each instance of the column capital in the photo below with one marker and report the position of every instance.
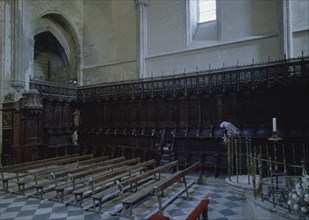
(139, 3)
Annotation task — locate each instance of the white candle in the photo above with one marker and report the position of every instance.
(274, 125)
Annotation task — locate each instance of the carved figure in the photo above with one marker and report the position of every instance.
(76, 115)
(74, 137)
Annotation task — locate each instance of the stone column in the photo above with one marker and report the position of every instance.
(141, 7)
(285, 30)
(79, 65)
(29, 62)
(2, 55)
(17, 75)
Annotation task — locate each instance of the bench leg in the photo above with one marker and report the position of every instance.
(186, 187)
(80, 199)
(39, 191)
(60, 194)
(5, 184)
(100, 203)
(80, 195)
(21, 187)
(127, 211)
(93, 202)
(160, 205)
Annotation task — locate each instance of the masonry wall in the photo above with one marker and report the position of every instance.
(109, 41)
(246, 32)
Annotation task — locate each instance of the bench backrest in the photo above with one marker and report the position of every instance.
(170, 180)
(20, 165)
(149, 173)
(92, 171)
(55, 162)
(93, 160)
(87, 167)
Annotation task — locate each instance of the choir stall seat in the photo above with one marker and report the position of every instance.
(247, 133)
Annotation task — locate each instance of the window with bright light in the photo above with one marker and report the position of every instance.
(207, 10)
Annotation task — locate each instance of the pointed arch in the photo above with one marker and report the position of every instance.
(60, 28)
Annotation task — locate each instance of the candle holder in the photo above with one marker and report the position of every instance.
(274, 136)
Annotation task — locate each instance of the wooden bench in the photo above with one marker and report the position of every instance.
(93, 160)
(72, 179)
(11, 168)
(99, 195)
(62, 175)
(161, 186)
(97, 184)
(158, 170)
(71, 162)
(157, 188)
(29, 169)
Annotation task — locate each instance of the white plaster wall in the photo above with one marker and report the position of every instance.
(246, 52)
(301, 43)
(248, 18)
(110, 42)
(300, 23)
(300, 14)
(249, 31)
(166, 26)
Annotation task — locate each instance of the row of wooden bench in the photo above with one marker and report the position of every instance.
(158, 188)
(98, 178)
(36, 168)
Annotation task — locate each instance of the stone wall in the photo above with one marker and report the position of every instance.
(246, 32)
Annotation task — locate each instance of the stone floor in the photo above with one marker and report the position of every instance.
(223, 205)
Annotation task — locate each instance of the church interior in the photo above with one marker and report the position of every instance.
(154, 109)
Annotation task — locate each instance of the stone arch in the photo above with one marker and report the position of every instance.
(59, 28)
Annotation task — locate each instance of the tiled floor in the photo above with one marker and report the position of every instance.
(223, 205)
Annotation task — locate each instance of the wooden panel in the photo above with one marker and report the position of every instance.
(207, 110)
(152, 113)
(162, 112)
(57, 115)
(143, 117)
(172, 113)
(183, 112)
(193, 111)
(49, 115)
(67, 116)
(133, 113)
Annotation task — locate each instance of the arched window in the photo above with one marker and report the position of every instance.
(207, 10)
(203, 20)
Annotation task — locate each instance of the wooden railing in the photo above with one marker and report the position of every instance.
(287, 72)
(53, 91)
(251, 77)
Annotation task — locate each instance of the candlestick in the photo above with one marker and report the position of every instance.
(274, 124)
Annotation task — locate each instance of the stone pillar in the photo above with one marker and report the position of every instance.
(29, 64)
(2, 55)
(17, 74)
(285, 19)
(79, 67)
(287, 28)
(141, 7)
